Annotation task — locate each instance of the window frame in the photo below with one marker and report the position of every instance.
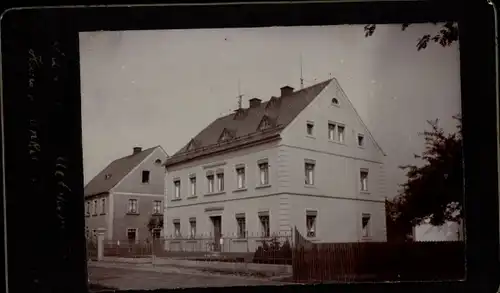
(103, 206)
(243, 176)
(264, 171)
(160, 204)
(362, 136)
(192, 227)
(310, 126)
(366, 228)
(192, 186)
(129, 210)
(363, 183)
(241, 229)
(177, 188)
(309, 181)
(210, 183)
(148, 176)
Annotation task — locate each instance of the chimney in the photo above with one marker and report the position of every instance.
(286, 90)
(254, 102)
(137, 150)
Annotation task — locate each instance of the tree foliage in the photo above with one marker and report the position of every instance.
(434, 190)
(447, 35)
(155, 222)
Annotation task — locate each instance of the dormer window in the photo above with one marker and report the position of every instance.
(107, 176)
(191, 145)
(264, 123)
(226, 135)
(335, 101)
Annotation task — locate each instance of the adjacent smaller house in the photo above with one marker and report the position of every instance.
(126, 194)
(449, 231)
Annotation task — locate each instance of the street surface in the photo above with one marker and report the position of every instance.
(145, 277)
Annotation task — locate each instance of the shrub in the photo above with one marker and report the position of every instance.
(273, 252)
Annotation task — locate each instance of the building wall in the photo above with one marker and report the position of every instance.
(227, 209)
(336, 190)
(227, 162)
(338, 220)
(124, 220)
(101, 219)
(133, 181)
(321, 111)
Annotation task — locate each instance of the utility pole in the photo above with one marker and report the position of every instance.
(301, 77)
(240, 96)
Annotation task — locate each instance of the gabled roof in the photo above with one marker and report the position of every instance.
(281, 113)
(118, 169)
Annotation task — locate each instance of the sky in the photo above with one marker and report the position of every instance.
(161, 87)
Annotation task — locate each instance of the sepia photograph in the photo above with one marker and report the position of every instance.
(272, 155)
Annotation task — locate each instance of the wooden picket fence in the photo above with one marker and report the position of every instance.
(377, 261)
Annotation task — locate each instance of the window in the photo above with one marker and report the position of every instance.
(157, 207)
(192, 227)
(309, 169)
(132, 206)
(311, 223)
(220, 181)
(177, 228)
(310, 128)
(340, 133)
(225, 136)
(177, 189)
(331, 131)
(363, 174)
(335, 101)
(210, 181)
(240, 220)
(157, 161)
(361, 140)
(95, 207)
(192, 182)
(365, 222)
(264, 173)
(103, 206)
(264, 124)
(336, 132)
(156, 233)
(145, 176)
(88, 208)
(132, 235)
(240, 177)
(264, 223)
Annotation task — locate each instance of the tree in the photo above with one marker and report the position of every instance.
(433, 191)
(155, 222)
(447, 35)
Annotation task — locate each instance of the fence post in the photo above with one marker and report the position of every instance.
(100, 244)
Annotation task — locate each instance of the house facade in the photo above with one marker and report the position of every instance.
(126, 194)
(303, 159)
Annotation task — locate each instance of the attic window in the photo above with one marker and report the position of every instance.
(264, 124)
(225, 135)
(335, 101)
(107, 176)
(158, 162)
(191, 145)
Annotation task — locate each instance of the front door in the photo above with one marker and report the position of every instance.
(217, 223)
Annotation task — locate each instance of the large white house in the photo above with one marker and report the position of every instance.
(304, 159)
